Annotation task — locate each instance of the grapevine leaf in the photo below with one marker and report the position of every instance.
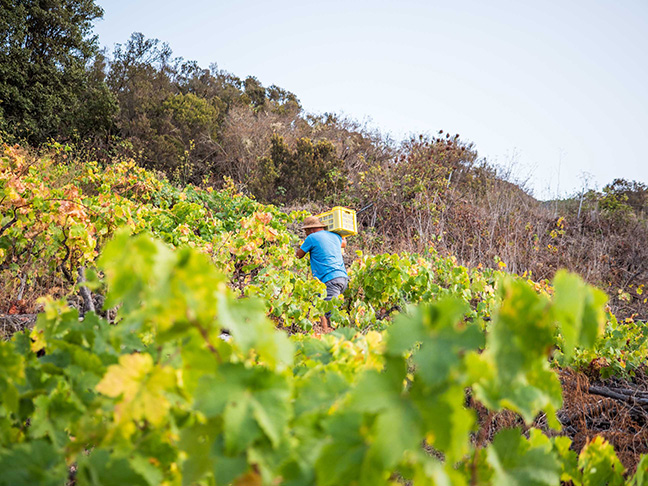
(315, 349)
(8, 434)
(516, 462)
(513, 372)
(140, 388)
(129, 265)
(427, 470)
(251, 330)
(13, 373)
(319, 390)
(442, 340)
(193, 287)
(579, 310)
(568, 460)
(53, 413)
(447, 421)
(340, 459)
(55, 323)
(239, 425)
(144, 467)
(295, 474)
(250, 393)
(196, 443)
(226, 468)
(599, 464)
(395, 431)
(641, 475)
(442, 345)
(198, 361)
(271, 411)
(377, 391)
(178, 288)
(398, 425)
(35, 462)
(101, 469)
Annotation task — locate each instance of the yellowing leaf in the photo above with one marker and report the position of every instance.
(141, 387)
(37, 340)
(600, 464)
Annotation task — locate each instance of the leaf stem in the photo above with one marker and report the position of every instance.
(210, 346)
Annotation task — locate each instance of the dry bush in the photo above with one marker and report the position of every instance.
(246, 139)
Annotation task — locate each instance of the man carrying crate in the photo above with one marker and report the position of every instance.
(325, 248)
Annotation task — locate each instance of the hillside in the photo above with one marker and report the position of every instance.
(278, 403)
(59, 213)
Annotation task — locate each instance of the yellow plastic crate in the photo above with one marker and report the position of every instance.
(340, 220)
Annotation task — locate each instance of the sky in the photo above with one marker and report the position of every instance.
(554, 92)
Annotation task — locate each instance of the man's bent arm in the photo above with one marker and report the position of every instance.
(300, 253)
(343, 244)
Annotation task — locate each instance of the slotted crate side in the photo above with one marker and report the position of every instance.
(340, 220)
(348, 220)
(328, 220)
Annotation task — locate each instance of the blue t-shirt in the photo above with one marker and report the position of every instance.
(325, 255)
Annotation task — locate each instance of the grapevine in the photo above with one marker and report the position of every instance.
(162, 398)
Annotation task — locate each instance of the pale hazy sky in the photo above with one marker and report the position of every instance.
(559, 88)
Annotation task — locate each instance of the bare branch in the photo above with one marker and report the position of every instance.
(65, 258)
(7, 225)
(88, 304)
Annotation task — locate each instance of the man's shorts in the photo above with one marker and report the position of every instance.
(335, 287)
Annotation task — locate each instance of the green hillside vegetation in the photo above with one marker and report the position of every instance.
(277, 402)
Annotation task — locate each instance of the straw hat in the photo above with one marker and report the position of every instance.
(312, 222)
